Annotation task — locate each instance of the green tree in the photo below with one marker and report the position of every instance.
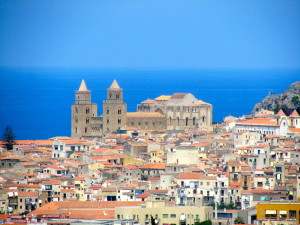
(144, 177)
(239, 220)
(9, 138)
(206, 222)
(295, 101)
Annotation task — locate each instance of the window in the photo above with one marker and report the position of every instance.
(173, 216)
(87, 120)
(61, 147)
(165, 216)
(119, 111)
(292, 214)
(107, 111)
(48, 187)
(72, 148)
(186, 121)
(282, 214)
(87, 111)
(55, 147)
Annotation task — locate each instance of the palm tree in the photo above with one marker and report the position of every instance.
(239, 220)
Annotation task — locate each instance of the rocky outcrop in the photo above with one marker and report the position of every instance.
(288, 100)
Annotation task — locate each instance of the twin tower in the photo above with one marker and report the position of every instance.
(86, 122)
(178, 111)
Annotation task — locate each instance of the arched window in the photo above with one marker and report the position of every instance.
(87, 120)
(119, 111)
(203, 119)
(85, 130)
(119, 121)
(186, 121)
(75, 129)
(107, 121)
(117, 96)
(87, 110)
(194, 121)
(107, 111)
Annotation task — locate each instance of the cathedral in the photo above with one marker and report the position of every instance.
(167, 112)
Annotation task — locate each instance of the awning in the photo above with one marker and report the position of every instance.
(271, 212)
(263, 198)
(282, 212)
(182, 217)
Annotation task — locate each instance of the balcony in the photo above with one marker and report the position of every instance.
(12, 203)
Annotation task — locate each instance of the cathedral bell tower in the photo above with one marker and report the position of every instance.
(82, 112)
(114, 109)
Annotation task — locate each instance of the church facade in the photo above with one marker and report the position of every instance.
(167, 112)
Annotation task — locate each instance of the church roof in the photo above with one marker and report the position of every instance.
(115, 85)
(145, 114)
(149, 101)
(83, 86)
(294, 113)
(202, 102)
(178, 95)
(280, 113)
(163, 98)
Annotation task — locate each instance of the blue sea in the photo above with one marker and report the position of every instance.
(36, 102)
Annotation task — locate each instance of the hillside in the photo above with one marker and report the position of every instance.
(288, 100)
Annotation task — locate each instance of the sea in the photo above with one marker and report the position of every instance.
(36, 102)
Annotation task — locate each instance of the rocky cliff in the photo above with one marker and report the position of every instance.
(288, 100)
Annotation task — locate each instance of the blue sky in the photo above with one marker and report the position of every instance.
(150, 34)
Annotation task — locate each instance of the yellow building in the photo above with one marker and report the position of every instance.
(79, 188)
(165, 214)
(277, 212)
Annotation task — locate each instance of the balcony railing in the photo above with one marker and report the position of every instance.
(13, 203)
